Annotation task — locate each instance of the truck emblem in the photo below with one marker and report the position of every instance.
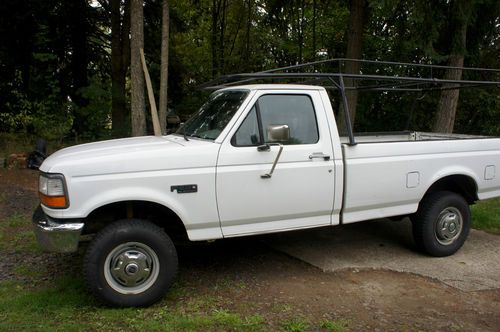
(185, 189)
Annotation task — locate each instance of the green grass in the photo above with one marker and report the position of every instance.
(67, 307)
(302, 325)
(16, 234)
(486, 216)
(335, 326)
(295, 325)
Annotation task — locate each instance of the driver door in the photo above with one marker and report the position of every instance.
(300, 191)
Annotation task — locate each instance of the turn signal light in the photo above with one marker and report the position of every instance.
(58, 202)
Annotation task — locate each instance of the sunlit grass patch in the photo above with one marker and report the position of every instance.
(486, 216)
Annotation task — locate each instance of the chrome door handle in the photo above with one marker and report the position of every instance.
(319, 155)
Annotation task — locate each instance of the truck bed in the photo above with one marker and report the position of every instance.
(383, 180)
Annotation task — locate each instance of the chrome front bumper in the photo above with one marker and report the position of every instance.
(54, 235)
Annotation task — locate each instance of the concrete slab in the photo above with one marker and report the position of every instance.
(386, 244)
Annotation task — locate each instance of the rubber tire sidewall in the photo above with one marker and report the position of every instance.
(122, 232)
(424, 223)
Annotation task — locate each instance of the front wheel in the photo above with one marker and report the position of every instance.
(130, 263)
(441, 223)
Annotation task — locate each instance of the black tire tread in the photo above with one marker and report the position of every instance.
(109, 231)
(423, 222)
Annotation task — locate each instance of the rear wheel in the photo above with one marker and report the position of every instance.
(130, 263)
(441, 224)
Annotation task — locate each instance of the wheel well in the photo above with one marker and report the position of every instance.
(461, 184)
(154, 212)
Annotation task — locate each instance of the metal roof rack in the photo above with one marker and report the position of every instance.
(404, 77)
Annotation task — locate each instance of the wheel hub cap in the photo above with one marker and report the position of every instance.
(131, 268)
(448, 226)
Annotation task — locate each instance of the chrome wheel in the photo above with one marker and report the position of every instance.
(449, 225)
(131, 268)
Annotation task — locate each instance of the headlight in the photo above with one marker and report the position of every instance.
(52, 191)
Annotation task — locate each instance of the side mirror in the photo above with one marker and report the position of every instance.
(278, 133)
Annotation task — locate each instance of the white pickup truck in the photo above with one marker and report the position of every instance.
(255, 159)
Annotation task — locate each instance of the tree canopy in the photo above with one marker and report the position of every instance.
(65, 65)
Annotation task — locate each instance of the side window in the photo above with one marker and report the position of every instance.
(296, 111)
(248, 134)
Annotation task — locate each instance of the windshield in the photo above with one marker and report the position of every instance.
(214, 115)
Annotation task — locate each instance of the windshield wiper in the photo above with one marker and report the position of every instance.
(185, 136)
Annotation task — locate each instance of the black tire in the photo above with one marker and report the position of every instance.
(441, 224)
(144, 258)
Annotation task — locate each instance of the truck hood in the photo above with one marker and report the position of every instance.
(147, 153)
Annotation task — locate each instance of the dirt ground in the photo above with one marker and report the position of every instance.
(267, 282)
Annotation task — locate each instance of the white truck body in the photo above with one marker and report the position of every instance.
(222, 175)
(379, 177)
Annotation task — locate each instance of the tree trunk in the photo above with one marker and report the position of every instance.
(164, 66)
(314, 31)
(448, 101)
(222, 30)
(126, 41)
(213, 44)
(300, 29)
(79, 61)
(247, 34)
(354, 51)
(120, 54)
(138, 115)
